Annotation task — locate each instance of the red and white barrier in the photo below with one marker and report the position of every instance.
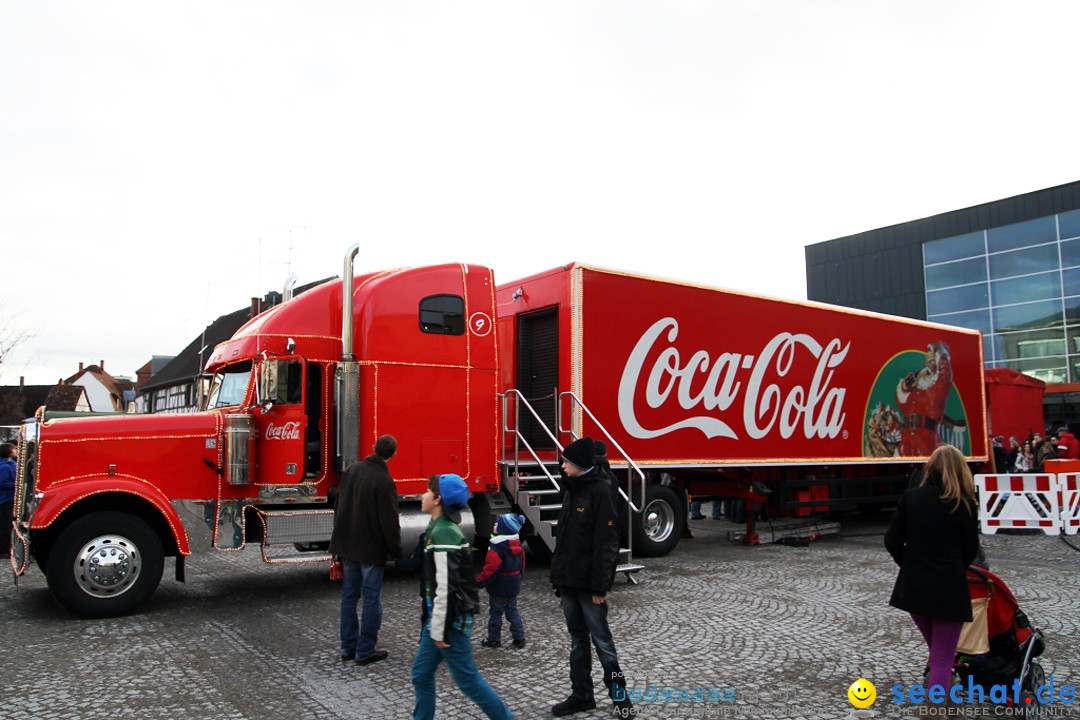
(1069, 485)
(1018, 501)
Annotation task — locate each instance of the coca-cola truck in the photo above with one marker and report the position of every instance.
(782, 406)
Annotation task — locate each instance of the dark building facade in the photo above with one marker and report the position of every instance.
(1009, 268)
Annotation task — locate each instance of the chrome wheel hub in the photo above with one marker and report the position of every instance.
(658, 521)
(107, 566)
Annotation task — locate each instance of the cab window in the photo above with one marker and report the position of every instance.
(229, 386)
(281, 382)
(443, 314)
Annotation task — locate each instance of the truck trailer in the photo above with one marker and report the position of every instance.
(784, 407)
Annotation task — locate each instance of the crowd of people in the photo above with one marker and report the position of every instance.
(1031, 454)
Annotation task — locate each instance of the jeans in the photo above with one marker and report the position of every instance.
(497, 605)
(942, 637)
(585, 619)
(695, 509)
(358, 638)
(462, 668)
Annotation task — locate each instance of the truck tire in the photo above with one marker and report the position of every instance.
(658, 527)
(105, 564)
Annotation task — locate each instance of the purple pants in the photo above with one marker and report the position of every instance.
(941, 638)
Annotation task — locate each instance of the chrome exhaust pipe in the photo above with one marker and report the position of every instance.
(346, 304)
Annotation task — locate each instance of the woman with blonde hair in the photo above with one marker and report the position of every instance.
(933, 537)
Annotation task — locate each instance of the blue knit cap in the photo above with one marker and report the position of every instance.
(509, 524)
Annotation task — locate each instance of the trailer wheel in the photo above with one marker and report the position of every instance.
(658, 527)
(105, 564)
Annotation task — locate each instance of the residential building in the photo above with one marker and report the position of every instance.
(104, 392)
(19, 402)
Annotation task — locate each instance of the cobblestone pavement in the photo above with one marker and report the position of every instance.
(765, 632)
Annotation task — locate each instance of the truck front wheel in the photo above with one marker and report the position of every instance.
(658, 527)
(105, 564)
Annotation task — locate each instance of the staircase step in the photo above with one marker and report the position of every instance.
(532, 481)
(629, 569)
(545, 492)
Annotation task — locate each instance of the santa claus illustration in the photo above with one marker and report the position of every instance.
(921, 396)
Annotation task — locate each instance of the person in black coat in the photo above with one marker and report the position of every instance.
(582, 572)
(366, 532)
(933, 537)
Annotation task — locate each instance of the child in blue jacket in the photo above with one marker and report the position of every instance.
(501, 575)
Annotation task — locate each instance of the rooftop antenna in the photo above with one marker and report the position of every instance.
(289, 253)
(288, 265)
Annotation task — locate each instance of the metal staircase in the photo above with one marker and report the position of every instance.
(530, 476)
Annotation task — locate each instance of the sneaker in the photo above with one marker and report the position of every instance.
(490, 643)
(519, 643)
(572, 705)
(697, 517)
(373, 657)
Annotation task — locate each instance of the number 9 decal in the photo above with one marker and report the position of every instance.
(480, 324)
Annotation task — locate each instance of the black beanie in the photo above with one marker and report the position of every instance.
(580, 453)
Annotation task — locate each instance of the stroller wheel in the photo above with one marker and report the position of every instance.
(1029, 700)
(1029, 705)
(1035, 677)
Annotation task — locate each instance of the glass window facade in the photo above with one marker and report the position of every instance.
(1020, 285)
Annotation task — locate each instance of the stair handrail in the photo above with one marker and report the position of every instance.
(519, 439)
(575, 400)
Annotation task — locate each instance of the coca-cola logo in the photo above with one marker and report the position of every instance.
(708, 390)
(287, 431)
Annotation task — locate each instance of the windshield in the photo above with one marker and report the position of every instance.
(229, 386)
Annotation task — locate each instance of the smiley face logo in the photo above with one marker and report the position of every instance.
(862, 693)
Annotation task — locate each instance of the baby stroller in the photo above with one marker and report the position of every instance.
(1000, 645)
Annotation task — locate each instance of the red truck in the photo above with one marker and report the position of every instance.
(799, 407)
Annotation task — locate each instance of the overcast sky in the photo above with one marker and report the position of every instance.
(162, 163)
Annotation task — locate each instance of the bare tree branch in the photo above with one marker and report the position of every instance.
(12, 334)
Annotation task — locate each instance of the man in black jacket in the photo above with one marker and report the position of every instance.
(582, 572)
(366, 533)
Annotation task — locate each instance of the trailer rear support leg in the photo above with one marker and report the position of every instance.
(751, 536)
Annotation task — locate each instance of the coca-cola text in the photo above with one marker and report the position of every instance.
(766, 403)
(288, 431)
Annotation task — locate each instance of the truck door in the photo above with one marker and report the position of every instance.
(282, 422)
(268, 448)
(538, 371)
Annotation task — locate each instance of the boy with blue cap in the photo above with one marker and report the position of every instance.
(501, 576)
(448, 590)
